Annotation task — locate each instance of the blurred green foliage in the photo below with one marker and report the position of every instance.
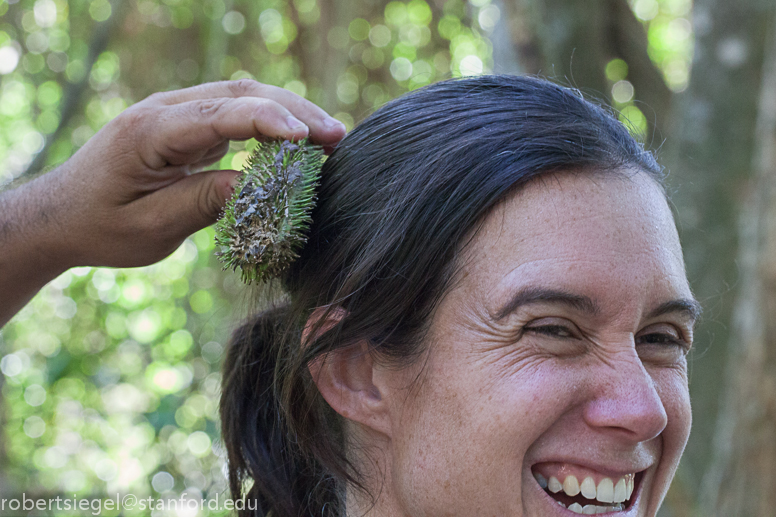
(670, 37)
(670, 47)
(111, 377)
(112, 382)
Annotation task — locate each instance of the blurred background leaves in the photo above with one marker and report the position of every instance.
(111, 377)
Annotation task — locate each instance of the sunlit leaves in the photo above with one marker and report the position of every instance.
(670, 37)
(105, 71)
(100, 10)
(111, 377)
(68, 406)
(9, 58)
(634, 120)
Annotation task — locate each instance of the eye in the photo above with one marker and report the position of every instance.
(558, 331)
(662, 343)
(555, 336)
(657, 338)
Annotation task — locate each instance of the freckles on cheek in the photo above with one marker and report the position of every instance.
(522, 403)
(675, 395)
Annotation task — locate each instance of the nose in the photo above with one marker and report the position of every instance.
(626, 401)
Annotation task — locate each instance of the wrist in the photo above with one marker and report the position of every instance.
(31, 234)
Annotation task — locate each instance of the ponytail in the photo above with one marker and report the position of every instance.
(286, 481)
(400, 197)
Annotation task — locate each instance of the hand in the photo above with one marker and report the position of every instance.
(130, 196)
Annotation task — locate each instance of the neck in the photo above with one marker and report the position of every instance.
(377, 498)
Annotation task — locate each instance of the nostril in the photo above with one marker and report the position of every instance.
(628, 405)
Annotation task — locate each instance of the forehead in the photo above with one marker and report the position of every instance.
(604, 235)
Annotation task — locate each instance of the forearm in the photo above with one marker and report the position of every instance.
(127, 198)
(29, 256)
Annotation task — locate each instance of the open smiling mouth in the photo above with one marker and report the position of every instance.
(591, 495)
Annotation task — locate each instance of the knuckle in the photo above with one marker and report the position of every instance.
(157, 98)
(263, 107)
(209, 107)
(131, 122)
(243, 87)
(270, 114)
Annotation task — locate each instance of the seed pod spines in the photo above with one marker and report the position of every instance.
(265, 222)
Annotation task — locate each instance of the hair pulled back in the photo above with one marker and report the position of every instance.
(398, 197)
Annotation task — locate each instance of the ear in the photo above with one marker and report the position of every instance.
(345, 377)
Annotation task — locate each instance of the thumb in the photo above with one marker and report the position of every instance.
(195, 201)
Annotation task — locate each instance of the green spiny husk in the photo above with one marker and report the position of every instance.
(265, 222)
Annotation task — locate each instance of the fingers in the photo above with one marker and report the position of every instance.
(188, 205)
(323, 128)
(212, 156)
(184, 133)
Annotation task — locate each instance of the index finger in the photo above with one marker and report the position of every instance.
(324, 129)
(183, 134)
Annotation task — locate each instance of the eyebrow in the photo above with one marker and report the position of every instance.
(687, 306)
(529, 295)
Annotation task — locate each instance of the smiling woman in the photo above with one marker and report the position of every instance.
(491, 317)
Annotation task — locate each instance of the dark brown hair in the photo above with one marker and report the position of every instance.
(398, 197)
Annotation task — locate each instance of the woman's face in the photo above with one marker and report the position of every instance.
(557, 362)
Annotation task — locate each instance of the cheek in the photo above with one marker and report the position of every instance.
(466, 432)
(675, 394)
(483, 416)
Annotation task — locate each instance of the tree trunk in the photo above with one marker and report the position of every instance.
(710, 149)
(572, 42)
(216, 45)
(507, 48)
(711, 137)
(742, 477)
(321, 65)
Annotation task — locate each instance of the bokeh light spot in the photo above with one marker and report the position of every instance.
(233, 22)
(34, 426)
(9, 59)
(162, 482)
(100, 10)
(199, 443)
(35, 395)
(401, 68)
(471, 65)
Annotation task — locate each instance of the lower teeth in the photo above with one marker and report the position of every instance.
(592, 509)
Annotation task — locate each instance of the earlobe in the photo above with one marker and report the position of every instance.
(344, 377)
(345, 380)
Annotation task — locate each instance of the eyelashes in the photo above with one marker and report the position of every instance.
(558, 331)
(664, 342)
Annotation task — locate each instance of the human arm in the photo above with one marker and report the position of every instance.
(128, 197)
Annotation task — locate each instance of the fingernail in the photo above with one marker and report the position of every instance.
(234, 182)
(332, 123)
(294, 123)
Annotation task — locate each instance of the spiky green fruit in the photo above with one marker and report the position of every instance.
(265, 222)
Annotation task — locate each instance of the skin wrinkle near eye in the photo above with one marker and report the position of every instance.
(502, 346)
(498, 397)
(534, 294)
(688, 309)
(531, 295)
(514, 341)
(515, 338)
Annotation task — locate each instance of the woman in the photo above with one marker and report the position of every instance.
(490, 317)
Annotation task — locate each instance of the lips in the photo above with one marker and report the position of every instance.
(585, 491)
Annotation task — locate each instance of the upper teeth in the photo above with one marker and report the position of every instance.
(607, 490)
